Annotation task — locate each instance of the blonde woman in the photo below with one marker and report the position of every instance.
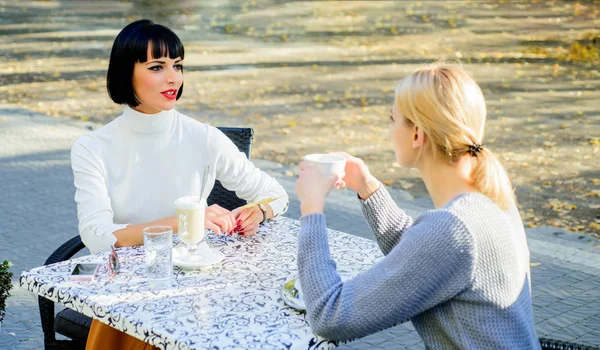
(460, 272)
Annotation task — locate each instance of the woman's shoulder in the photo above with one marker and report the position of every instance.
(441, 220)
(194, 125)
(471, 204)
(479, 215)
(94, 136)
(212, 133)
(456, 216)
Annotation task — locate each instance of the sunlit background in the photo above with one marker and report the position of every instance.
(320, 75)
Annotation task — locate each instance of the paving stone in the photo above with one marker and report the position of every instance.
(589, 339)
(579, 275)
(564, 335)
(575, 317)
(356, 346)
(585, 285)
(546, 299)
(587, 311)
(419, 346)
(543, 329)
(562, 307)
(577, 300)
(560, 294)
(577, 330)
(546, 313)
(559, 322)
(595, 319)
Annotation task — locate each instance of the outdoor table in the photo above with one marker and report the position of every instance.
(236, 304)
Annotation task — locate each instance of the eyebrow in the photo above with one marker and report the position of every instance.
(162, 62)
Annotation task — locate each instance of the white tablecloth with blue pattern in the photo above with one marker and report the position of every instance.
(235, 305)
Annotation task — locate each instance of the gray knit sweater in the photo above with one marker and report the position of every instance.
(460, 273)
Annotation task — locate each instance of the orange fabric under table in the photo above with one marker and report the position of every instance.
(103, 337)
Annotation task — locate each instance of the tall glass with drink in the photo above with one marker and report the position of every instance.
(190, 220)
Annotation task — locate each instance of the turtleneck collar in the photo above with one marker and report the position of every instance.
(146, 123)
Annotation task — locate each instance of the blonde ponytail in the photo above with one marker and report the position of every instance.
(449, 106)
(490, 178)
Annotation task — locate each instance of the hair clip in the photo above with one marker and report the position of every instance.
(475, 148)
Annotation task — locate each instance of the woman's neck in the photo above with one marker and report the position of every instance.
(445, 181)
(146, 123)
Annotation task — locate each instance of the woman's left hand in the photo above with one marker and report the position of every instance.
(313, 187)
(247, 220)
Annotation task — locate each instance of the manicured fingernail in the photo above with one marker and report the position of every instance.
(239, 222)
(241, 233)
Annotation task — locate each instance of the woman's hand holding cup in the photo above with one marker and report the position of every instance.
(318, 175)
(358, 177)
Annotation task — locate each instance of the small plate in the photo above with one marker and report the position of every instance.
(209, 258)
(292, 295)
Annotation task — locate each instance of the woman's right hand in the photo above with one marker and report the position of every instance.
(219, 219)
(358, 177)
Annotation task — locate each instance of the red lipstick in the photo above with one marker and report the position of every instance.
(171, 94)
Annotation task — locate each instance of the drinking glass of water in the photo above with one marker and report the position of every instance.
(158, 244)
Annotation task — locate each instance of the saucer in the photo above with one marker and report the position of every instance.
(292, 295)
(209, 257)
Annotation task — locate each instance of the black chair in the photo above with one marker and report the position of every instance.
(68, 322)
(75, 325)
(242, 138)
(551, 344)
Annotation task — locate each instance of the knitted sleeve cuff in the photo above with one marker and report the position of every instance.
(313, 222)
(379, 200)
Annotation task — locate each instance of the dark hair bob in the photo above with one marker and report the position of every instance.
(131, 46)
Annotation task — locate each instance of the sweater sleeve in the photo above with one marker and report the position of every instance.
(238, 174)
(387, 221)
(94, 212)
(433, 263)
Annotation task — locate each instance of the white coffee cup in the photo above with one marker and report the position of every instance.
(328, 164)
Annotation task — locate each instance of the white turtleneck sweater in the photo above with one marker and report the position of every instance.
(133, 169)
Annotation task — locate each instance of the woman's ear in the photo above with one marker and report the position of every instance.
(418, 137)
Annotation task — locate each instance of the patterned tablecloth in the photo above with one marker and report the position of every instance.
(235, 305)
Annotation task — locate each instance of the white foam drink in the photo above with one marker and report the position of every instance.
(190, 219)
